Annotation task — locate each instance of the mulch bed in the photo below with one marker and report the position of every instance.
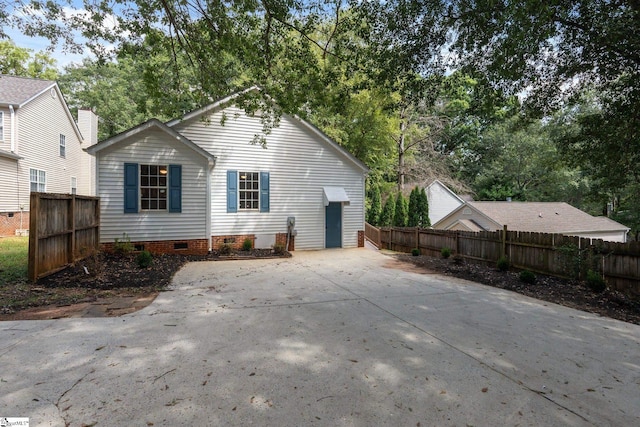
(105, 275)
(570, 293)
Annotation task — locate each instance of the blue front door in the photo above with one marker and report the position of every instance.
(333, 225)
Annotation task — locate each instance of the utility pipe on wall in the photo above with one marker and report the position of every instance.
(13, 129)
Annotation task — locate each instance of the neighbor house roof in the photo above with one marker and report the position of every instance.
(544, 217)
(17, 91)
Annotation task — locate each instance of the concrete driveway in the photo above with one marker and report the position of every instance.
(328, 338)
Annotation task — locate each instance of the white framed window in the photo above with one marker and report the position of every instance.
(74, 185)
(38, 180)
(1, 125)
(63, 145)
(153, 187)
(249, 190)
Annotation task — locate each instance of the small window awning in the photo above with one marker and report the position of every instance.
(335, 195)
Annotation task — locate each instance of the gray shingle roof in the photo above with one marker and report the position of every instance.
(544, 217)
(18, 90)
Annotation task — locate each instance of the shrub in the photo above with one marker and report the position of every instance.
(503, 263)
(247, 245)
(278, 249)
(415, 251)
(144, 259)
(595, 282)
(225, 249)
(527, 277)
(445, 252)
(123, 246)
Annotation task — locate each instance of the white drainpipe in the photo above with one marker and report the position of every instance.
(13, 129)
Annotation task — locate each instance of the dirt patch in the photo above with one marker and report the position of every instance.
(570, 293)
(102, 285)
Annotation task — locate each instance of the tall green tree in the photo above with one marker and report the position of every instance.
(24, 62)
(375, 206)
(423, 209)
(388, 212)
(400, 216)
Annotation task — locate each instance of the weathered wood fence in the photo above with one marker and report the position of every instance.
(552, 254)
(63, 228)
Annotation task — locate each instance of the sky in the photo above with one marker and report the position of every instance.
(37, 44)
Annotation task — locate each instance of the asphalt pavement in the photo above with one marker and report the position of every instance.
(327, 338)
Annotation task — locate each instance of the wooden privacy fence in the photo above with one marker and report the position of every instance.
(552, 254)
(63, 228)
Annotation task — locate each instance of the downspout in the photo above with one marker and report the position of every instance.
(13, 129)
(210, 166)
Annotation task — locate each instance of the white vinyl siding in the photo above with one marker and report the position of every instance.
(152, 147)
(299, 163)
(39, 125)
(441, 202)
(9, 200)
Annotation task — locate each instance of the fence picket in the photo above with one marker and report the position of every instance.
(552, 254)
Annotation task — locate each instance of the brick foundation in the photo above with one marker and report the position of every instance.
(361, 238)
(235, 240)
(281, 239)
(179, 247)
(10, 222)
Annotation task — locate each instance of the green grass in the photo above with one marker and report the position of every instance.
(14, 255)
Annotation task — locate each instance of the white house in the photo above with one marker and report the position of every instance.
(41, 147)
(442, 201)
(539, 217)
(194, 183)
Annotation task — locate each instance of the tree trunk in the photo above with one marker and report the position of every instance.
(401, 171)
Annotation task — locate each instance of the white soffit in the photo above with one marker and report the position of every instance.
(335, 195)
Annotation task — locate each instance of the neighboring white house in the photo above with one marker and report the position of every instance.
(442, 201)
(540, 217)
(41, 147)
(193, 184)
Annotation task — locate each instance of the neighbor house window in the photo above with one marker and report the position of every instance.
(38, 180)
(1, 125)
(152, 188)
(247, 191)
(74, 185)
(63, 145)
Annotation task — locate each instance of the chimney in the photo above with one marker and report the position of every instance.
(88, 125)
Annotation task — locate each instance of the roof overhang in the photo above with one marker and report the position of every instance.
(335, 195)
(150, 124)
(9, 155)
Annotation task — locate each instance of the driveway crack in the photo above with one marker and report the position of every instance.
(61, 411)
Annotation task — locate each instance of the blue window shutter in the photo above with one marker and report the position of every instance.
(264, 191)
(175, 188)
(232, 191)
(130, 188)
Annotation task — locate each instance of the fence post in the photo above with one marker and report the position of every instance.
(417, 245)
(503, 249)
(34, 207)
